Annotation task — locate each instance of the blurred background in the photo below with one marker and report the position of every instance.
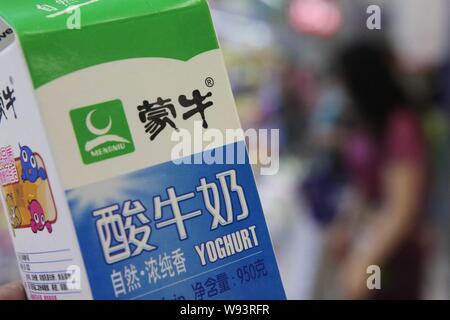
(365, 140)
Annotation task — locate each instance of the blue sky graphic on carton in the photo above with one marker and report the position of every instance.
(157, 260)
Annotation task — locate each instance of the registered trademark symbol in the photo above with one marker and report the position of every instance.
(209, 82)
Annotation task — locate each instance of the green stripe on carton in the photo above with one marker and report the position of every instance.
(111, 30)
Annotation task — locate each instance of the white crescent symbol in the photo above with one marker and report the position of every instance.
(94, 130)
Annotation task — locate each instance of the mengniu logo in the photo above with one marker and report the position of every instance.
(102, 131)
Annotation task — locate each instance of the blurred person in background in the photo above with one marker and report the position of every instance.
(385, 155)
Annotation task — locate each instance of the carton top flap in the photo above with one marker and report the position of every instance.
(59, 37)
(31, 16)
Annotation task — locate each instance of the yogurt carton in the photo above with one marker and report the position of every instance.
(108, 193)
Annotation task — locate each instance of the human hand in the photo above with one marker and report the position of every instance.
(13, 291)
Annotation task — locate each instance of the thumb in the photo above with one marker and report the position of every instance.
(13, 291)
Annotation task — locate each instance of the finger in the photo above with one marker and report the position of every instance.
(12, 291)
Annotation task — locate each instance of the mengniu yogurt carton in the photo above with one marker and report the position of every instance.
(92, 94)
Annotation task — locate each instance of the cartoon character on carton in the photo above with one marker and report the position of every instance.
(38, 222)
(15, 218)
(30, 168)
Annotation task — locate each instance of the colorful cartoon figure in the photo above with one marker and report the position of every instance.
(30, 168)
(38, 222)
(15, 218)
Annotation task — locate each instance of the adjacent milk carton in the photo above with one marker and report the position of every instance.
(108, 192)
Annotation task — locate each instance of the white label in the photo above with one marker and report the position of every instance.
(134, 82)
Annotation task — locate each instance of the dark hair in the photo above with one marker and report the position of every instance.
(366, 69)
